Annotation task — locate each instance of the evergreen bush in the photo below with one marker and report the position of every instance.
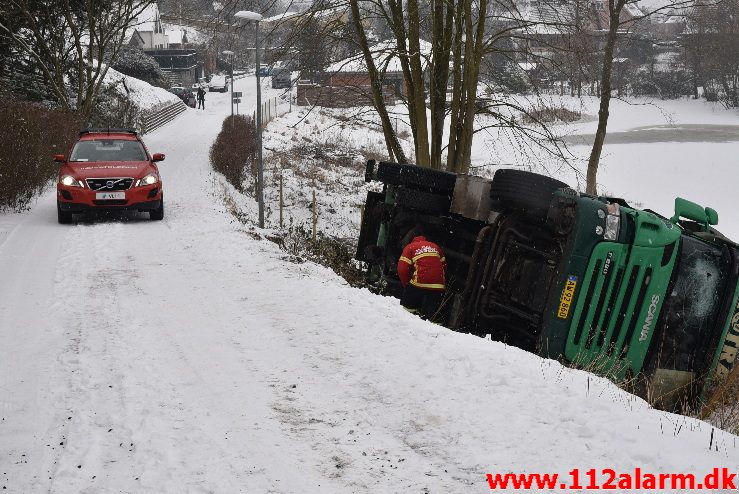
(133, 62)
(235, 149)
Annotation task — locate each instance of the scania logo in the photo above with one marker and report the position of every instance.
(650, 317)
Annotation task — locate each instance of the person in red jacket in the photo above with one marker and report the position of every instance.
(422, 270)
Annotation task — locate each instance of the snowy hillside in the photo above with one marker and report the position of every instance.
(141, 93)
(685, 146)
(193, 355)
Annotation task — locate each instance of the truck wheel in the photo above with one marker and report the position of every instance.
(416, 176)
(526, 192)
(425, 202)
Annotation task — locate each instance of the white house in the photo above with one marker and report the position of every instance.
(147, 30)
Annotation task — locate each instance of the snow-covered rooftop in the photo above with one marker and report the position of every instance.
(384, 54)
(295, 15)
(192, 34)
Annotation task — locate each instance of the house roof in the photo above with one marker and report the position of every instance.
(130, 35)
(544, 17)
(146, 19)
(527, 66)
(384, 55)
(322, 13)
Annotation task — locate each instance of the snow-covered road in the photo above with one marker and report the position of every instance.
(187, 356)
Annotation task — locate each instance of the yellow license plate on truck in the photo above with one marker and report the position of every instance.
(567, 295)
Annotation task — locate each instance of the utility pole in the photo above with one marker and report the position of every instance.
(231, 54)
(253, 16)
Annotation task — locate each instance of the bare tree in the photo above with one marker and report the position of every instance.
(712, 51)
(391, 139)
(457, 38)
(68, 40)
(461, 36)
(619, 26)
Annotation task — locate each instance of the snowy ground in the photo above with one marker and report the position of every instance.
(189, 356)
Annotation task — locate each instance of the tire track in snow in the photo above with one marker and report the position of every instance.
(90, 290)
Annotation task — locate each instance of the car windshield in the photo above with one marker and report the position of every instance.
(108, 150)
(692, 305)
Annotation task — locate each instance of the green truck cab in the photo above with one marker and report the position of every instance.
(646, 300)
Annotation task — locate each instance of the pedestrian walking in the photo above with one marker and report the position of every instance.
(422, 272)
(201, 98)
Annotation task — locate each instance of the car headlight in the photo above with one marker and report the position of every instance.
(148, 180)
(70, 181)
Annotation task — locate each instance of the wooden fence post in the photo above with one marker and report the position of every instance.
(281, 202)
(315, 216)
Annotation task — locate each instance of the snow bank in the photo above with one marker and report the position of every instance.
(143, 94)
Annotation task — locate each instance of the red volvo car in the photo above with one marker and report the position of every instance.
(109, 169)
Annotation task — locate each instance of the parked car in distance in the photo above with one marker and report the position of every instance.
(109, 170)
(265, 70)
(281, 78)
(218, 83)
(185, 94)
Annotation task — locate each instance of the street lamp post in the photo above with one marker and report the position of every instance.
(253, 16)
(227, 53)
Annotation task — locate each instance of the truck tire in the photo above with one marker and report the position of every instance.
(416, 176)
(525, 192)
(421, 201)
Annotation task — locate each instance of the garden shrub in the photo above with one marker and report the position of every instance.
(30, 135)
(235, 149)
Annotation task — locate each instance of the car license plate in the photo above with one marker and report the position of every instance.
(105, 196)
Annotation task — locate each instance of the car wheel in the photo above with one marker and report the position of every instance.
(525, 192)
(424, 202)
(416, 176)
(64, 217)
(158, 213)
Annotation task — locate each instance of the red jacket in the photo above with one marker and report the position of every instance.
(422, 264)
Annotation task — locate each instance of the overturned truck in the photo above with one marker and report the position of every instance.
(627, 293)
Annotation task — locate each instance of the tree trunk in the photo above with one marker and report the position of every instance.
(391, 139)
(419, 118)
(439, 69)
(456, 103)
(605, 96)
(410, 61)
(473, 55)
